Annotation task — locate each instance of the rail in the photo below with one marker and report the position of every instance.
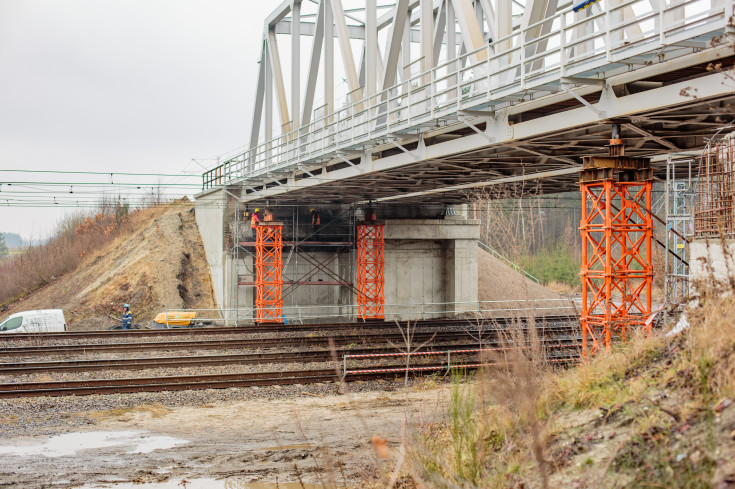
(447, 353)
(521, 66)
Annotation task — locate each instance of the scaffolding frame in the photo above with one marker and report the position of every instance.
(269, 268)
(679, 201)
(617, 235)
(714, 213)
(370, 270)
(296, 244)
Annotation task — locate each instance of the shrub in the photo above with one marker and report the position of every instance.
(76, 236)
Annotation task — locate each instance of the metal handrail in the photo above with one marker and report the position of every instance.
(485, 77)
(507, 261)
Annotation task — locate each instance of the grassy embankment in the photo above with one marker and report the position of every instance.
(653, 412)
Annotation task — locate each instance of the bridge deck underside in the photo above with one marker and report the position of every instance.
(454, 178)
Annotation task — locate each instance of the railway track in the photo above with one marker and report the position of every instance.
(270, 328)
(216, 381)
(559, 334)
(339, 339)
(71, 366)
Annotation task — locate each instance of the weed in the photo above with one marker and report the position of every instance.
(76, 238)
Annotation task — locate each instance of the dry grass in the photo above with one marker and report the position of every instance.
(562, 288)
(504, 427)
(77, 238)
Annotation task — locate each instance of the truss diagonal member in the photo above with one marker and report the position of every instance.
(275, 64)
(342, 157)
(316, 52)
(470, 28)
(600, 113)
(413, 154)
(652, 137)
(393, 49)
(538, 153)
(482, 133)
(346, 50)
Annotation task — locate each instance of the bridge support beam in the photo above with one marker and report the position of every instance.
(617, 230)
(370, 270)
(269, 273)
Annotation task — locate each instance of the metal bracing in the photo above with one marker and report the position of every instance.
(680, 193)
(320, 256)
(556, 78)
(269, 273)
(617, 273)
(370, 274)
(617, 233)
(714, 212)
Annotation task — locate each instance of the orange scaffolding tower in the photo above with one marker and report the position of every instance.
(370, 275)
(617, 231)
(269, 273)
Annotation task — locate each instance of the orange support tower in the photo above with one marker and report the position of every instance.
(617, 230)
(269, 273)
(370, 275)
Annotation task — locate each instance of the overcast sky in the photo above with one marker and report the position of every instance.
(121, 85)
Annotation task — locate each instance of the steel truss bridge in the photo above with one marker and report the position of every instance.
(451, 95)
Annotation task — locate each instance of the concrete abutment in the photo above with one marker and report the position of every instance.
(430, 260)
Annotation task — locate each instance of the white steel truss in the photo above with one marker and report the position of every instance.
(432, 67)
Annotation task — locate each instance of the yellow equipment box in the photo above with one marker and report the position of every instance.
(176, 318)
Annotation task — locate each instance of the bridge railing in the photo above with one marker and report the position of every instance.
(529, 63)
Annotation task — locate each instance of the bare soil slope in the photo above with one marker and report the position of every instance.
(160, 265)
(497, 281)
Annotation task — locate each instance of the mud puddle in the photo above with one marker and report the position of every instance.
(69, 444)
(247, 444)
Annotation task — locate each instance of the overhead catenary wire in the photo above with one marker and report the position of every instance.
(73, 172)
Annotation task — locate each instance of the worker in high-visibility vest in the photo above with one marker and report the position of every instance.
(254, 220)
(127, 317)
(315, 219)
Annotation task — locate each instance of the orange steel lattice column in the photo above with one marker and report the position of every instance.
(269, 273)
(370, 275)
(617, 231)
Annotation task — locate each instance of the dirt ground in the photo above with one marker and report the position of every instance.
(497, 281)
(326, 441)
(161, 265)
(510, 293)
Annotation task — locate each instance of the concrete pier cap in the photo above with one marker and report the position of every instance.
(430, 258)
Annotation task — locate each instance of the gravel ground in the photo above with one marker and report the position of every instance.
(34, 416)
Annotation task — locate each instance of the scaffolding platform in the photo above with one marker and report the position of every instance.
(251, 244)
(301, 282)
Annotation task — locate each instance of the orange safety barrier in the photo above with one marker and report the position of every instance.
(269, 273)
(617, 272)
(370, 275)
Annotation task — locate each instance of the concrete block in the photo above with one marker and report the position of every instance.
(708, 262)
(432, 229)
(210, 220)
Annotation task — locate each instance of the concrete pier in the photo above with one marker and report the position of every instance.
(430, 262)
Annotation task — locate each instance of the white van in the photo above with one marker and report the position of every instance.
(41, 321)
